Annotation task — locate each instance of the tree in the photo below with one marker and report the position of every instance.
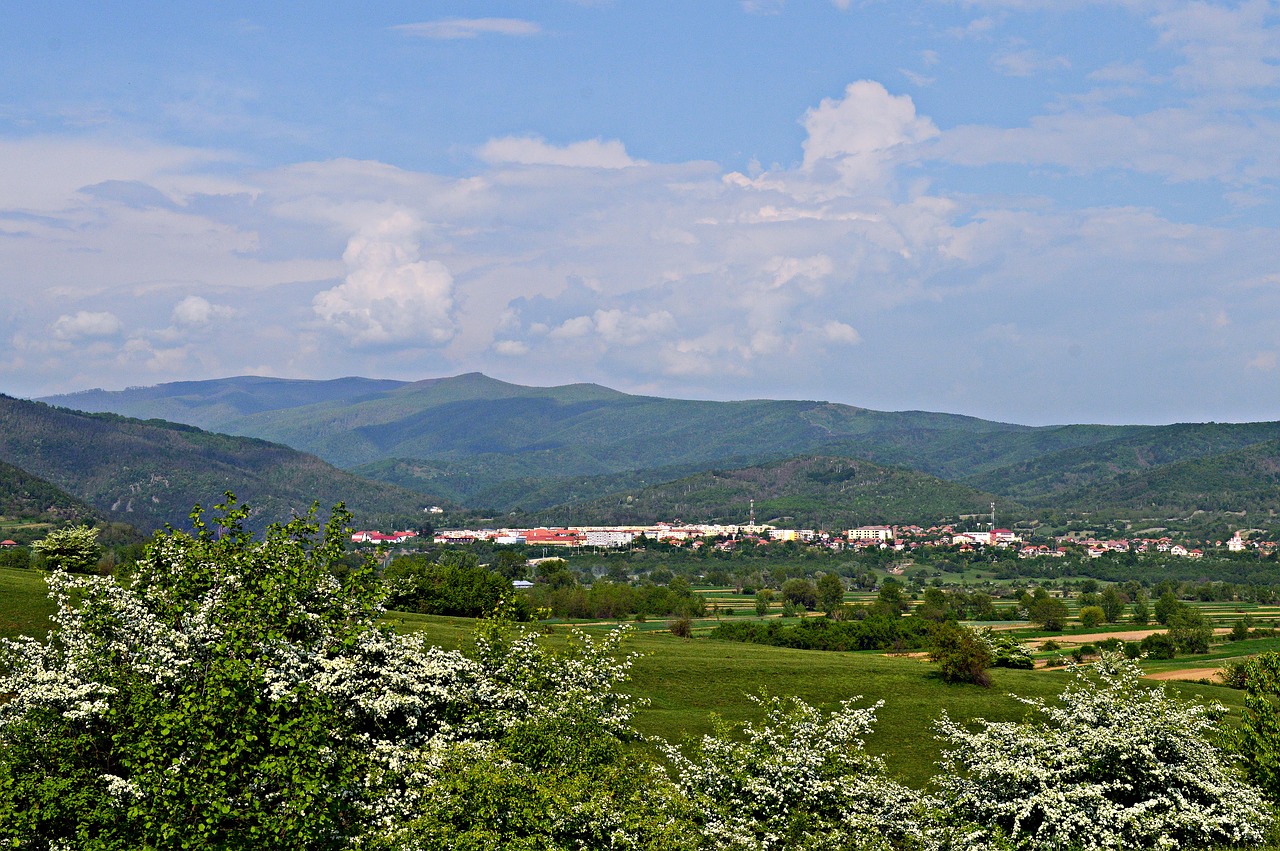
(1257, 737)
(962, 655)
(801, 593)
(1092, 616)
(1189, 630)
(1166, 606)
(237, 694)
(763, 598)
(74, 549)
(1141, 612)
(830, 593)
(1112, 603)
(1115, 764)
(1049, 612)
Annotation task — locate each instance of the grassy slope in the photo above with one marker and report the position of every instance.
(151, 473)
(25, 608)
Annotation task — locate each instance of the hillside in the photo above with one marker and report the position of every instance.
(29, 505)
(151, 473)
(812, 491)
(490, 445)
(1042, 480)
(1244, 480)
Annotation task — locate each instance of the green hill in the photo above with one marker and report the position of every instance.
(151, 473)
(811, 491)
(1243, 480)
(1060, 477)
(491, 445)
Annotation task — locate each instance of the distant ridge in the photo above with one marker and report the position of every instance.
(495, 446)
(151, 473)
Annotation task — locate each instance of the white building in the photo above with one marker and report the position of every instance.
(870, 533)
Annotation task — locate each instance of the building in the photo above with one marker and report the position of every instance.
(870, 533)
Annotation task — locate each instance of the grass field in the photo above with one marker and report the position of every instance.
(24, 605)
(685, 681)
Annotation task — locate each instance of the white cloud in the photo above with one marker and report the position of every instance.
(1028, 63)
(86, 325)
(459, 28)
(839, 332)
(860, 132)
(390, 295)
(529, 150)
(197, 312)
(511, 348)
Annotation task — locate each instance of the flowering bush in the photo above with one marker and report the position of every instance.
(802, 779)
(1114, 765)
(236, 694)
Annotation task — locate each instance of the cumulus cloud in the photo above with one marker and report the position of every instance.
(86, 325)
(390, 294)
(530, 150)
(197, 312)
(458, 28)
(860, 132)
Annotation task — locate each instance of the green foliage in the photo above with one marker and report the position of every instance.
(830, 592)
(172, 731)
(1189, 630)
(800, 593)
(1092, 617)
(74, 550)
(871, 632)
(151, 473)
(802, 779)
(1257, 738)
(1049, 612)
(453, 584)
(962, 655)
(763, 598)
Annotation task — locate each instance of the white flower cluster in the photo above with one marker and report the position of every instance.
(1115, 764)
(802, 779)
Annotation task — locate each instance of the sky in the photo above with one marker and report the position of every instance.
(1035, 211)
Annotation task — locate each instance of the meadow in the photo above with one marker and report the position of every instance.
(684, 682)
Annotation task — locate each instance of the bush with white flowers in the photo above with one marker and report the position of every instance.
(1115, 764)
(801, 779)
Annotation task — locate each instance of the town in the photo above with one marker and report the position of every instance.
(897, 538)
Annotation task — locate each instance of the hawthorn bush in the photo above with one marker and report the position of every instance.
(1116, 764)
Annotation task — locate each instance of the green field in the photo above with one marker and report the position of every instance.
(685, 681)
(24, 605)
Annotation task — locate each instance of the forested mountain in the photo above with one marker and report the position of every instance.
(813, 491)
(491, 445)
(151, 473)
(25, 498)
(1244, 480)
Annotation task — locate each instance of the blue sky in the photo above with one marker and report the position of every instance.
(1019, 209)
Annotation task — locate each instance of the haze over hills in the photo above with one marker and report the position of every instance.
(151, 473)
(492, 445)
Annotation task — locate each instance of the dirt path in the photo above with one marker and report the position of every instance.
(1186, 674)
(1095, 637)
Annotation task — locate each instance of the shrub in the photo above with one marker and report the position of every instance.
(1158, 645)
(1114, 764)
(961, 654)
(1092, 616)
(799, 780)
(681, 626)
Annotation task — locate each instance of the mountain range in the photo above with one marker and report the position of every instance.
(586, 451)
(149, 473)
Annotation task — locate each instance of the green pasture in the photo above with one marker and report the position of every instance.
(25, 607)
(686, 681)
